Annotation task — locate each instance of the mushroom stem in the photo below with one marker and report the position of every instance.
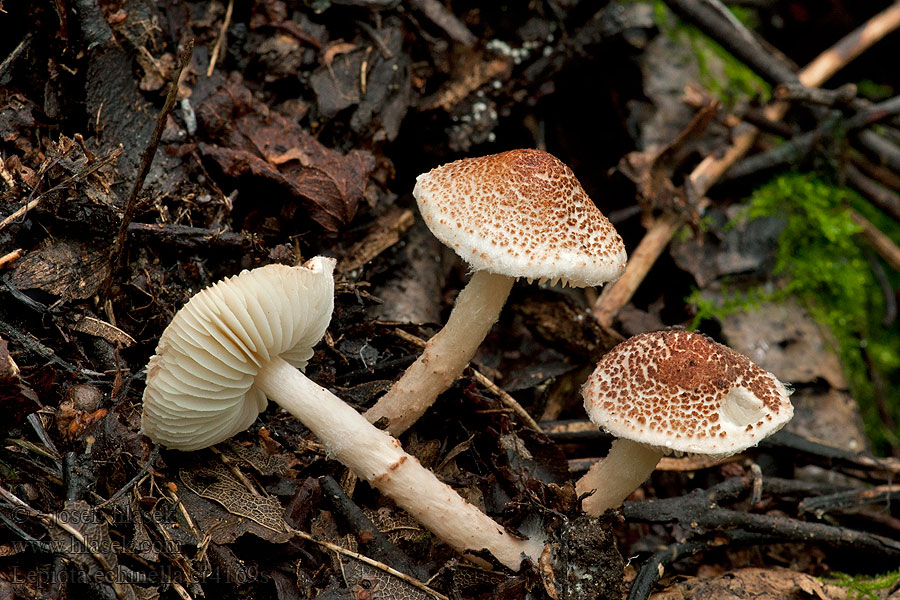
(477, 308)
(379, 458)
(624, 469)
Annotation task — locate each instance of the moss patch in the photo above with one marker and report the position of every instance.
(822, 261)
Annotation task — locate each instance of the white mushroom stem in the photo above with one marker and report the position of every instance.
(611, 480)
(477, 308)
(378, 458)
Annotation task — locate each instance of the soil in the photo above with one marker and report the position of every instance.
(150, 149)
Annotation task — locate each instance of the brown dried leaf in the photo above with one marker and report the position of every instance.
(255, 141)
(100, 328)
(216, 483)
(66, 268)
(744, 584)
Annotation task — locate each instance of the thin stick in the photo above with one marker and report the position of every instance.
(372, 563)
(709, 171)
(10, 257)
(852, 45)
(147, 158)
(883, 245)
(23, 210)
(220, 40)
(75, 533)
(134, 480)
(485, 381)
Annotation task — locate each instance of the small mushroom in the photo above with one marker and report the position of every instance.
(240, 342)
(520, 213)
(674, 392)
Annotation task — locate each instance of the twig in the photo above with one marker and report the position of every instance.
(438, 14)
(10, 257)
(188, 237)
(717, 21)
(31, 344)
(360, 524)
(700, 509)
(220, 40)
(485, 381)
(713, 167)
(133, 481)
(881, 196)
(883, 245)
(850, 499)
(787, 153)
(26, 41)
(887, 292)
(372, 563)
(654, 567)
(886, 151)
(74, 178)
(852, 45)
(880, 174)
(796, 92)
(875, 113)
(184, 56)
(48, 518)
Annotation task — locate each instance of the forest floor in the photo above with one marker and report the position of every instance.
(749, 157)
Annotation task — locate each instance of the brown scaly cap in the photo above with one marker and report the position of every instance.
(680, 391)
(521, 213)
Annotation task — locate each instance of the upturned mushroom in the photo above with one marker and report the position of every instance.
(520, 213)
(240, 342)
(674, 391)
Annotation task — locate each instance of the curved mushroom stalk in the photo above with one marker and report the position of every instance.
(520, 213)
(240, 342)
(674, 391)
(378, 458)
(614, 477)
(446, 355)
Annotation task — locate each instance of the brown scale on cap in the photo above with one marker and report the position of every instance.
(521, 213)
(681, 391)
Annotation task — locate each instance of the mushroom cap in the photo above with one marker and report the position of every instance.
(680, 391)
(521, 213)
(200, 383)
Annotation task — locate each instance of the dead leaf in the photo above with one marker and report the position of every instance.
(744, 584)
(253, 141)
(100, 328)
(66, 268)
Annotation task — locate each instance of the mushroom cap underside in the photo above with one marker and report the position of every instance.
(200, 383)
(682, 392)
(521, 213)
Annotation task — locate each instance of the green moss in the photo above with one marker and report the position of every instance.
(864, 588)
(873, 90)
(735, 81)
(822, 261)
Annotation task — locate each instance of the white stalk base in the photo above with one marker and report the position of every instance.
(477, 308)
(624, 469)
(378, 458)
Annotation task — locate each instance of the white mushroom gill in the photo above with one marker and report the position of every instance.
(240, 342)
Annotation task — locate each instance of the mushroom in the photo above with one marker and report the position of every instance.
(674, 391)
(240, 342)
(520, 213)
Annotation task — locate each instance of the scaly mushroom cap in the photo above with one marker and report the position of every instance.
(680, 391)
(521, 213)
(200, 384)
